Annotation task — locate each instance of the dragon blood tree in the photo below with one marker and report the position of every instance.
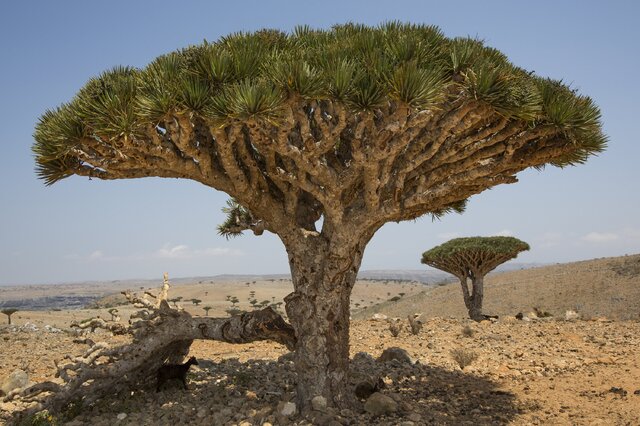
(471, 259)
(354, 125)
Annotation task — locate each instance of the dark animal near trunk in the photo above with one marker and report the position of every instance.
(175, 371)
(367, 388)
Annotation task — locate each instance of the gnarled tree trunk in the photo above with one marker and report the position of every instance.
(475, 308)
(324, 270)
(473, 298)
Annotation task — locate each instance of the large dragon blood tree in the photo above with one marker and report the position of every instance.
(472, 258)
(354, 125)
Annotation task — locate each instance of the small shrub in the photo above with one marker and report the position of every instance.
(241, 378)
(394, 299)
(41, 418)
(415, 324)
(394, 328)
(71, 411)
(463, 357)
(541, 314)
(468, 331)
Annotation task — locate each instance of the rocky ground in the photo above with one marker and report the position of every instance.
(543, 372)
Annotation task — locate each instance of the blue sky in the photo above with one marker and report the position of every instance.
(93, 230)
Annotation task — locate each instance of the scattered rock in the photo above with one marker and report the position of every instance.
(571, 316)
(379, 404)
(50, 329)
(288, 357)
(379, 317)
(29, 327)
(618, 391)
(202, 412)
(414, 417)
(396, 353)
(319, 403)
(287, 409)
(363, 357)
(16, 380)
(121, 416)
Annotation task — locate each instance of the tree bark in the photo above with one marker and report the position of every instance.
(323, 271)
(465, 292)
(475, 307)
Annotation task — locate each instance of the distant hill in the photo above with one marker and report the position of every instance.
(607, 287)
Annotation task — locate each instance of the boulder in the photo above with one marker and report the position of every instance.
(395, 353)
(16, 380)
(379, 404)
(379, 317)
(571, 316)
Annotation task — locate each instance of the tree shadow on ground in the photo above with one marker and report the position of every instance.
(231, 392)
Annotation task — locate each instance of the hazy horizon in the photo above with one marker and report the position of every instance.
(507, 266)
(91, 230)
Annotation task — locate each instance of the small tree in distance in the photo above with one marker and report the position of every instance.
(207, 309)
(8, 312)
(114, 313)
(473, 258)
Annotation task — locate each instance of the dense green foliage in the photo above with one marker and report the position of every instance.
(492, 246)
(248, 76)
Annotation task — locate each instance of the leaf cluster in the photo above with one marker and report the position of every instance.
(238, 219)
(254, 76)
(486, 246)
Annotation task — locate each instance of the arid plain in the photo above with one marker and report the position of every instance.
(538, 371)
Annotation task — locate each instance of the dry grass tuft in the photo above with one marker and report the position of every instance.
(463, 357)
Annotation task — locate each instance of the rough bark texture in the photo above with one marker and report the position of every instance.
(161, 335)
(324, 269)
(473, 299)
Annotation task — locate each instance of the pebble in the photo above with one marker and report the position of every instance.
(319, 403)
(288, 409)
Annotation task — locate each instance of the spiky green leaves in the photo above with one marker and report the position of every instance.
(53, 134)
(418, 87)
(256, 75)
(238, 219)
(245, 100)
(495, 245)
(577, 116)
(482, 254)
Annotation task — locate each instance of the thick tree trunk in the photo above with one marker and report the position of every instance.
(465, 291)
(475, 307)
(473, 299)
(323, 272)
